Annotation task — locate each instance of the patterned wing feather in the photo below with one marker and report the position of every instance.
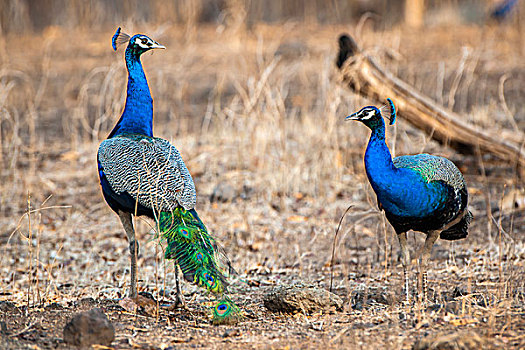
(454, 202)
(433, 168)
(149, 169)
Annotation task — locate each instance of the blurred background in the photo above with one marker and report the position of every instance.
(34, 16)
(249, 93)
(46, 33)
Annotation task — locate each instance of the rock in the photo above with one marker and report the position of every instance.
(453, 307)
(54, 307)
(365, 298)
(247, 192)
(459, 291)
(232, 333)
(301, 297)
(8, 307)
(462, 340)
(85, 303)
(223, 192)
(89, 328)
(144, 304)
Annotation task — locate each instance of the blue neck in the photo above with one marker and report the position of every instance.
(378, 161)
(382, 173)
(137, 117)
(401, 191)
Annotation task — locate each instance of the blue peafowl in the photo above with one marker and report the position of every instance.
(418, 192)
(145, 175)
(503, 9)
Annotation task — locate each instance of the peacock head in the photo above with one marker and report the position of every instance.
(137, 44)
(371, 116)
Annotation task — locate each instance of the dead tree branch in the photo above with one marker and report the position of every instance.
(365, 76)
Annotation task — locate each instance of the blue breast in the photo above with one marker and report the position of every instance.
(402, 192)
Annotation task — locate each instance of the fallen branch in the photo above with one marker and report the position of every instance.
(365, 76)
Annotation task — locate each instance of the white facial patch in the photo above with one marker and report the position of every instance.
(368, 114)
(145, 43)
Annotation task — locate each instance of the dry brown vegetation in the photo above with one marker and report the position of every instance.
(260, 109)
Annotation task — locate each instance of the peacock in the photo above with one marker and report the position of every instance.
(503, 9)
(419, 192)
(145, 175)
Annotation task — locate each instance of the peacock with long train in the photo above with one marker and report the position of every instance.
(145, 175)
(419, 192)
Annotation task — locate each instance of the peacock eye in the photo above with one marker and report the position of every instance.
(144, 41)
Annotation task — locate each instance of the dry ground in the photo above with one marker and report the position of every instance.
(260, 111)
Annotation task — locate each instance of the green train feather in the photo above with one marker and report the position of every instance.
(226, 312)
(199, 257)
(144, 175)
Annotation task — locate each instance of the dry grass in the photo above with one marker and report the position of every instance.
(260, 110)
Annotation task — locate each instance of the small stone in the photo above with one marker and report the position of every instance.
(453, 307)
(459, 291)
(54, 307)
(8, 307)
(144, 304)
(223, 192)
(247, 192)
(361, 325)
(364, 298)
(89, 328)
(301, 298)
(232, 333)
(357, 306)
(85, 303)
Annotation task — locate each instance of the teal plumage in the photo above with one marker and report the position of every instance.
(432, 168)
(201, 260)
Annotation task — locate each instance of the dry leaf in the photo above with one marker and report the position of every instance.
(297, 218)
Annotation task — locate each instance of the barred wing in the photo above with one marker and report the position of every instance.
(149, 169)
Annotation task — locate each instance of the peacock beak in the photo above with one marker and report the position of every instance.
(156, 45)
(353, 116)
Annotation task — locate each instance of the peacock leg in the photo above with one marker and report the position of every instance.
(127, 222)
(405, 260)
(432, 236)
(180, 297)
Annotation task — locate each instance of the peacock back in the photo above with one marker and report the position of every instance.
(433, 168)
(149, 169)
